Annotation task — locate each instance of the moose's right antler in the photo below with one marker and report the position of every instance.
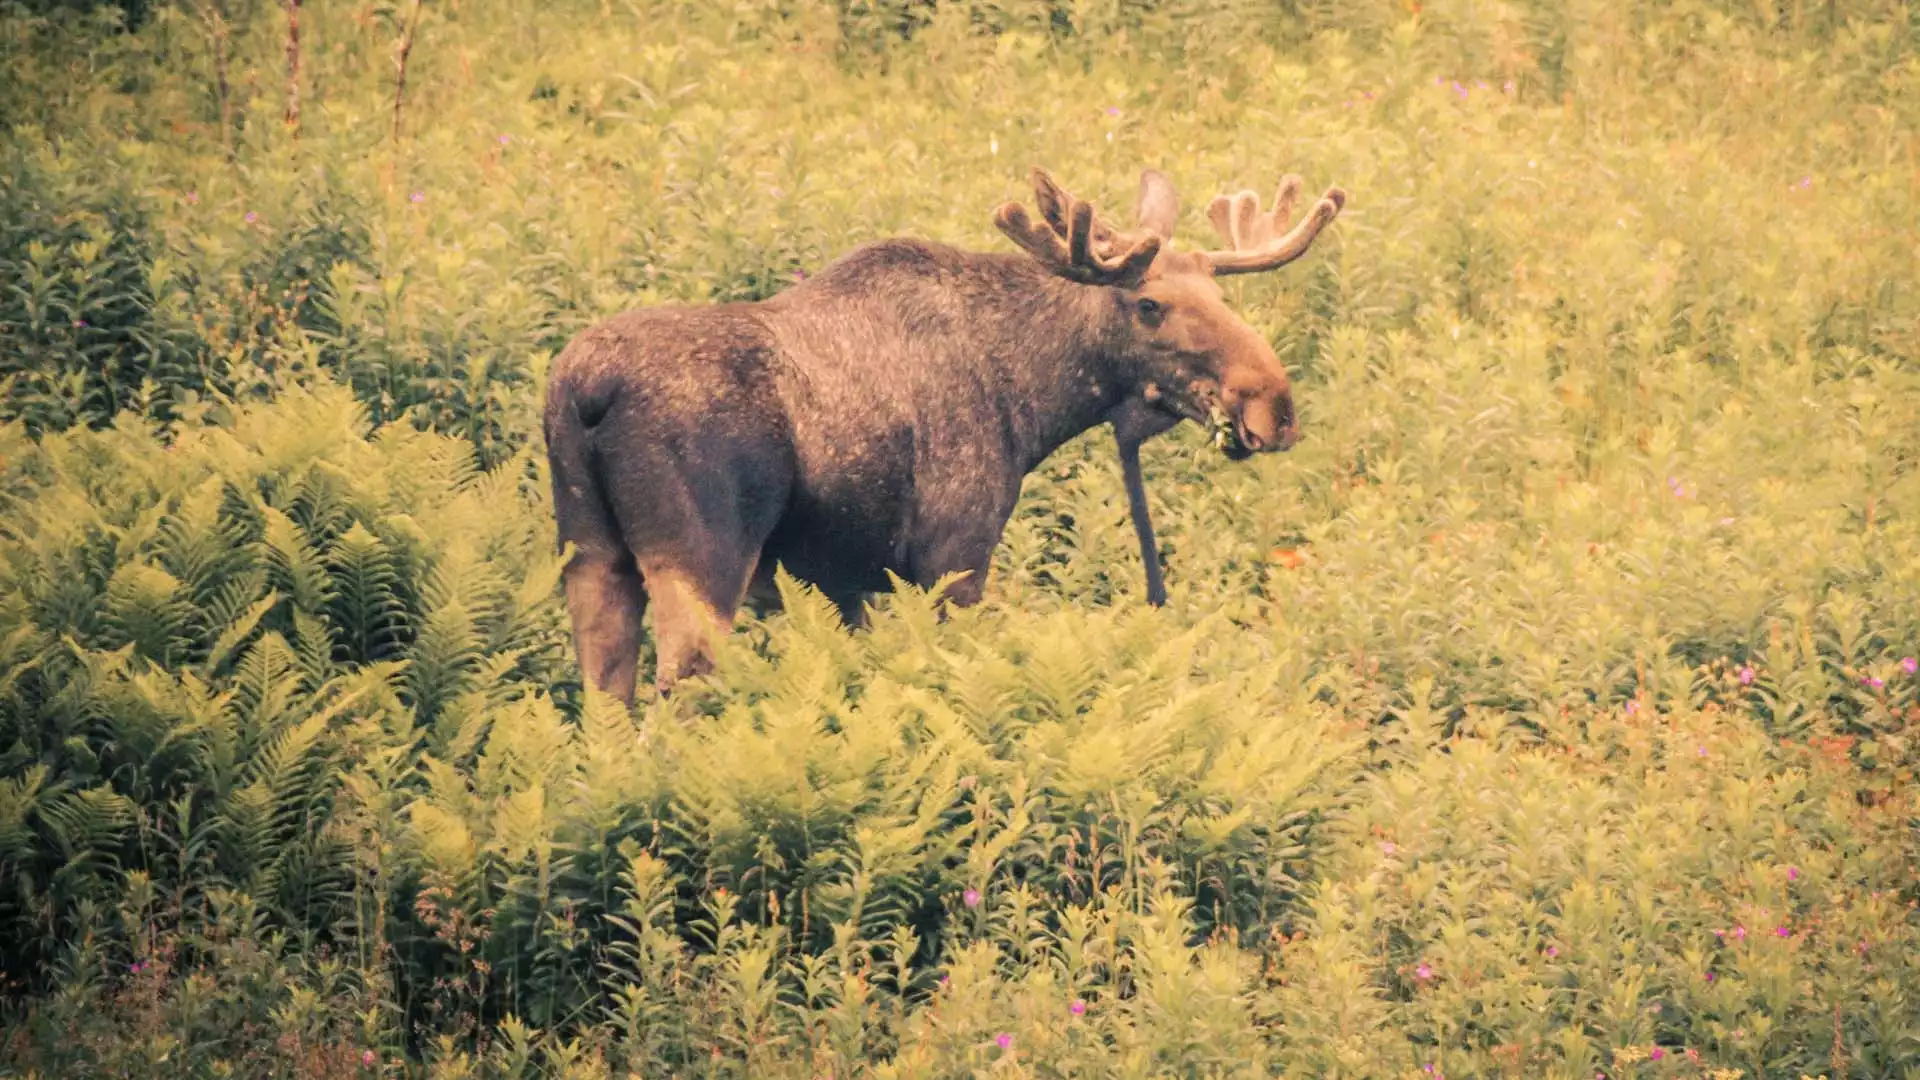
(1072, 241)
(1254, 240)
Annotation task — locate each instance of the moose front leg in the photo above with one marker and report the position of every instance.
(1134, 422)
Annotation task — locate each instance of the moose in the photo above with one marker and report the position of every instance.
(879, 417)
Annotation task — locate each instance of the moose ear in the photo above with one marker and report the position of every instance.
(1158, 208)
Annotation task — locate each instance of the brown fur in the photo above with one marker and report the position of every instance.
(878, 417)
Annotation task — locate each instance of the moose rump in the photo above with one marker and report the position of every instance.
(671, 464)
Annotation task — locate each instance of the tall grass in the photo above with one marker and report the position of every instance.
(1547, 712)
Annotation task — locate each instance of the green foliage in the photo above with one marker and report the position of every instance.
(90, 320)
(1563, 665)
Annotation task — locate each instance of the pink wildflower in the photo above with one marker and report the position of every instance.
(1793, 873)
(1003, 1040)
(367, 1058)
(1423, 972)
(1656, 1054)
(1746, 676)
(1078, 1008)
(971, 898)
(1910, 665)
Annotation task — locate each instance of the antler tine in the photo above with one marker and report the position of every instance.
(1257, 241)
(1283, 199)
(1073, 241)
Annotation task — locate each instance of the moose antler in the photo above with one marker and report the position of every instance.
(1257, 241)
(1072, 241)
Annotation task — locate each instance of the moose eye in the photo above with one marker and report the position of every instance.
(1151, 310)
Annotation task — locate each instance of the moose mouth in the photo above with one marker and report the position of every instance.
(1226, 431)
(1228, 434)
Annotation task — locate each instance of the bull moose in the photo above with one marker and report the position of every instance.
(880, 416)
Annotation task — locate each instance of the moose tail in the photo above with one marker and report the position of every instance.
(579, 499)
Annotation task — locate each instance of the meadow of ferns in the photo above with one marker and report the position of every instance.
(1548, 712)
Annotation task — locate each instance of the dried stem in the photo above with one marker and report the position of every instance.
(400, 65)
(217, 33)
(293, 67)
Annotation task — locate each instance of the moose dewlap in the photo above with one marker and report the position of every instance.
(880, 416)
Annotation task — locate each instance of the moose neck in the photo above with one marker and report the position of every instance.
(1058, 347)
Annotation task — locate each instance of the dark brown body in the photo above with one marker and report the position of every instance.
(877, 418)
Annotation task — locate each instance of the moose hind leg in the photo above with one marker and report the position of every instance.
(606, 600)
(693, 607)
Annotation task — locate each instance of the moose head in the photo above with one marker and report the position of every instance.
(1194, 358)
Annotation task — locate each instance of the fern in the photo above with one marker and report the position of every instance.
(145, 608)
(367, 610)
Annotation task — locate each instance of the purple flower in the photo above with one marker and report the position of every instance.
(1746, 675)
(1552, 952)
(1793, 873)
(1709, 976)
(417, 197)
(1703, 751)
(1781, 931)
(1423, 972)
(971, 898)
(1078, 1008)
(1909, 665)
(1113, 110)
(1805, 183)
(251, 217)
(1633, 707)
(1739, 933)
(1388, 847)
(79, 323)
(1874, 681)
(367, 1058)
(1721, 934)
(505, 139)
(943, 982)
(1656, 1054)
(1003, 1040)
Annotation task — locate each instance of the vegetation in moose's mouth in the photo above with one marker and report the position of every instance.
(1549, 710)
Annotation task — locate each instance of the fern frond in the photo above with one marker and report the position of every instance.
(145, 608)
(236, 630)
(366, 608)
(297, 568)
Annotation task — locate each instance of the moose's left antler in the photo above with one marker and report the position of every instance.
(1072, 241)
(1257, 241)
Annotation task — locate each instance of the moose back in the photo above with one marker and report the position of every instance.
(881, 415)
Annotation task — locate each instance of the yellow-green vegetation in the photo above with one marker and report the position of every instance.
(1548, 712)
